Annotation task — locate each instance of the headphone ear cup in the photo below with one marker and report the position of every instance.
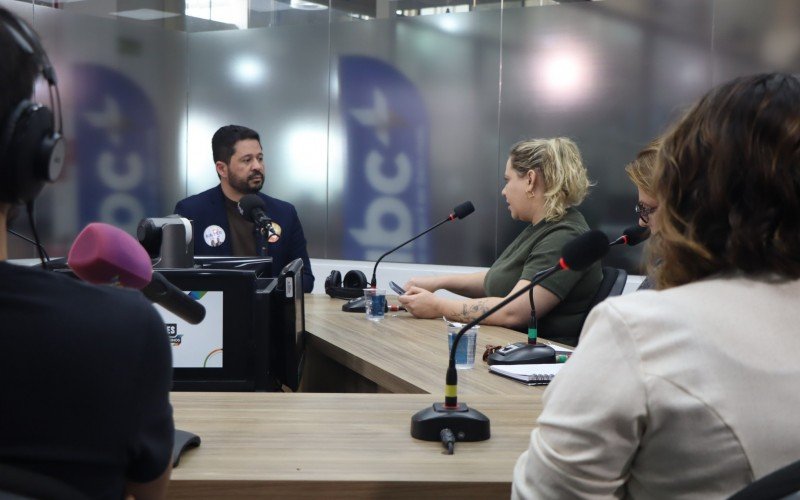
(32, 153)
(355, 279)
(350, 287)
(333, 284)
(334, 280)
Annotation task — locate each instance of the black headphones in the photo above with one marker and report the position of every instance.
(353, 285)
(32, 148)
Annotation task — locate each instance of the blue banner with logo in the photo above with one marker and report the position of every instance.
(386, 190)
(116, 149)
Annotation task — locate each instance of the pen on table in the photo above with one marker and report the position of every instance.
(396, 308)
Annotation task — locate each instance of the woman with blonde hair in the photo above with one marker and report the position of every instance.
(641, 171)
(691, 391)
(545, 181)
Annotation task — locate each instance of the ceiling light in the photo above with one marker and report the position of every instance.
(249, 70)
(145, 14)
(304, 5)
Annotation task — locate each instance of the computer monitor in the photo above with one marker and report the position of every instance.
(287, 325)
(228, 350)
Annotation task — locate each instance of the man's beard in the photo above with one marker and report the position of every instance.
(245, 187)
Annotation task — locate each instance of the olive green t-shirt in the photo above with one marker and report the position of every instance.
(539, 247)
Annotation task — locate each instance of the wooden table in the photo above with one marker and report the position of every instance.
(400, 354)
(295, 445)
(341, 446)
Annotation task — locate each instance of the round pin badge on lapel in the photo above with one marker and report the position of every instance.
(275, 232)
(214, 236)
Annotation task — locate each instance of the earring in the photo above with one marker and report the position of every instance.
(530, 195)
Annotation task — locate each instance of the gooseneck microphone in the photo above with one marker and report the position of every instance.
(103, 254)
(632, 236)
(467, 423)
(531, 352)
(253, 208)
(459, 212)
(358, 304)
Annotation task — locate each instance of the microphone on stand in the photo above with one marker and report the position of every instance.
(632, 236)
(252, 208)
(468, 424)
(459, 212)
(103, 254)
(527, 353)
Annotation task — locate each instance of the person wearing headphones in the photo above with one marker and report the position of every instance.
(690, 391)
(219, 227)
(545, 180)
(86, 370)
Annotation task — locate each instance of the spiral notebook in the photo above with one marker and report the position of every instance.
(540, 374)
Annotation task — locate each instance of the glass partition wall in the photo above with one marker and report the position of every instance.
(378, 117)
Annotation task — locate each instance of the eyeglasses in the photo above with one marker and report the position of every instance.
(643, 211)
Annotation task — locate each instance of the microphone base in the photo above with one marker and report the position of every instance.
(523, 353)
(356, 305)
(184, 440)
(466, 423)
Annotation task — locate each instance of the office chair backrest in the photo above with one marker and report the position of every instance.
(613, 283)
(783, 483)
(18, 484)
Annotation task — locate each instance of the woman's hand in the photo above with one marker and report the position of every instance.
(420, 302)
(429, 283)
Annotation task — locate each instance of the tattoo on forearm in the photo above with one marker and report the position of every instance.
(471, 311)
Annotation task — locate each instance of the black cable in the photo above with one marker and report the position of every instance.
(23, 237)
(39, 247)
(448, 440)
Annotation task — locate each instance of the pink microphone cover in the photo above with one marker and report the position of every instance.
(103, 254)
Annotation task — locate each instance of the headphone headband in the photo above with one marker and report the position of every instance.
(32, 148)
(28, 42)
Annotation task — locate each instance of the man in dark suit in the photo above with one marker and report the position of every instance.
(220, 229)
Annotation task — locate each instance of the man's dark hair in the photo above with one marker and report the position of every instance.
(226, 137)
(18, 69)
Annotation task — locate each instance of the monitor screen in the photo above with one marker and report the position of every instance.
(227, 350)
(197, 346)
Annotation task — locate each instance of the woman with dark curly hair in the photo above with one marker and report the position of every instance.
(692, 390)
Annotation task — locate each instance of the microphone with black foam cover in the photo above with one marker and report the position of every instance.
(105, 255)
(584, 250)
(468, 423)
(459, 212)
(253, 208)
(632, 236)
(462, 210)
